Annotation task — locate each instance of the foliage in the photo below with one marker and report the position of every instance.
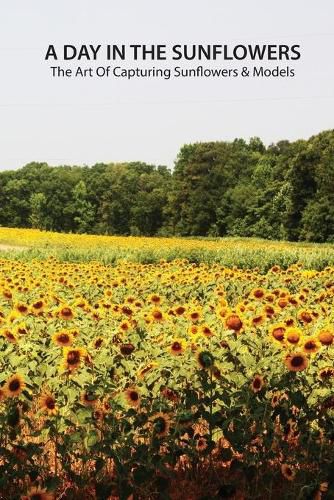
(238, 188)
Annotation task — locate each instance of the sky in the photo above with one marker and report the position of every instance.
(85, 121)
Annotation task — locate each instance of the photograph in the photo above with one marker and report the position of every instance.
(166, 250)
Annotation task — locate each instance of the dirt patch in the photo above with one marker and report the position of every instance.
(10, 247)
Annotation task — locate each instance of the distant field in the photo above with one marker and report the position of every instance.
(241, 252)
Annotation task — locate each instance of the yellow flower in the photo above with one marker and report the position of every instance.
(132, 396)
(296, 362)
(9, 335)
(63, 338)
(14, 385)
(47, 402)
(257, 383)
(66, 313)
(177, 347)
(288, 472)
(73, 357)
(293, 335)
(278, 331)
(160, 424)
(311, 345)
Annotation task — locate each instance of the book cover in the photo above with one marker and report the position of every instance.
(166, 250)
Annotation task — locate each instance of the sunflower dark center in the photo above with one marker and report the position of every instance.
(176, 346)
(278, 333)
(127, 349)
(180, 310)
(297, 361)
(73, 357)
(257, 383)
(134, 396)
(50, 403)
(160, 424)
(14, 385)
(63, 338)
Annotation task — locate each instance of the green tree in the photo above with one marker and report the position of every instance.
(37, 207)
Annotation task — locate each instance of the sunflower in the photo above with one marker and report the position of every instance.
(179, 310)
(63, 338)
(269, 311)
(206, 331)
(169, 394)
(21, 329)
(205, 359)
(288, 472)
(36, 493)
(132, 396)
(124, 326)
(88, 399)
(194, 315)
(326, 336)
(177, 347)
(326, 373)
(290, 322)
(277, 397)
(193, 330)
(293, 335)
(98, 342)
(296, 362)
(14, 385)
(47, 402)
(73, 357)
(38, 307)
(160, 424)
(277, 331)
(233, 322)
(258, 293)
(66, 313)
(258, 320)
(127, 349)
(21, 308)
(201, 444)
(157, 315)
(282, 302)
(155, 299)
(257, 383)
(311, 345)
(305, 316)
(10, 336)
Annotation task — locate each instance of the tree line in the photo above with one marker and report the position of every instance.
(283, 191)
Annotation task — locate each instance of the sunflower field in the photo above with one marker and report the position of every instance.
(165, 380)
